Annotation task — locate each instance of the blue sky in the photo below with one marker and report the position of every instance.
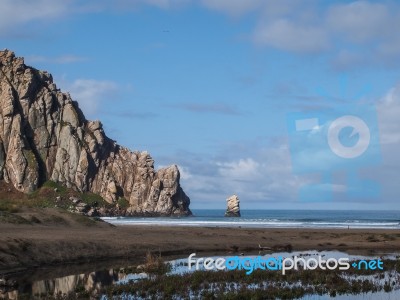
(209, 85)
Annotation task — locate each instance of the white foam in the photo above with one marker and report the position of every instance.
(191, 222)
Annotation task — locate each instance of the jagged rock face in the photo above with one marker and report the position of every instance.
(45, 136)
(233, 209)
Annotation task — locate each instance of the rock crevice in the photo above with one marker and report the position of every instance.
(45, 136)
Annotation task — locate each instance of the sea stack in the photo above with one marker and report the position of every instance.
(45, 136)
(233, 209)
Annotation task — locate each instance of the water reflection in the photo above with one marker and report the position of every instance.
(57, 281)
(39, 283)
(91, 283)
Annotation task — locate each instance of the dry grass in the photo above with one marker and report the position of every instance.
(155, 265)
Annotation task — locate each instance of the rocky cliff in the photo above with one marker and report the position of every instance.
(45, 136)
(233, 208)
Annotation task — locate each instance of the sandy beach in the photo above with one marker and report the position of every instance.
(64, 239)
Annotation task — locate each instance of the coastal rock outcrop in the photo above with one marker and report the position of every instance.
(233, 209)
(45, 136)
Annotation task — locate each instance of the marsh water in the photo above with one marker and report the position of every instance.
(93, 278)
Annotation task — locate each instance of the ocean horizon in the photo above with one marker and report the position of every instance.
(353, 219)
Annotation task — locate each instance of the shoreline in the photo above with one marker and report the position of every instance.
(25, 247)
(245, 226)
(278, 219)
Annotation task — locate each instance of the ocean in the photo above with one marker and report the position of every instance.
(275, 219)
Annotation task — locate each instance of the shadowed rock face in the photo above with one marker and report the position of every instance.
(45, 136)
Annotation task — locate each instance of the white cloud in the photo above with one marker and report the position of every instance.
(242, 169)
(266, 177)
(129, 5)
(263, 174)
(89, 93)
(290, 36)
(353, 34)
(388, 114)
(359, 21)
(185, 173)
(233, 7)
(14, 13)
(269, 8)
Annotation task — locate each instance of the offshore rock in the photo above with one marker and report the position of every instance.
(233, 209)
(45, 136)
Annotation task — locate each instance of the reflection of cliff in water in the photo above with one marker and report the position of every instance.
(35, 283)
(91, 282)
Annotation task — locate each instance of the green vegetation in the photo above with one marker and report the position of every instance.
(46, 197)
(54, 185)
(123, 203)
(15, 207)
(31, 159)
(55, 220)
(237, 285)
(84, 220)
(259, 285)
(6, 217)
(93, 199)
(9, 206)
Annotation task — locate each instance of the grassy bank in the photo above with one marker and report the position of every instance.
(49, 195)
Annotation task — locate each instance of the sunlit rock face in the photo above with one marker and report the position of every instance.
(45, 136)
(233, 209)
